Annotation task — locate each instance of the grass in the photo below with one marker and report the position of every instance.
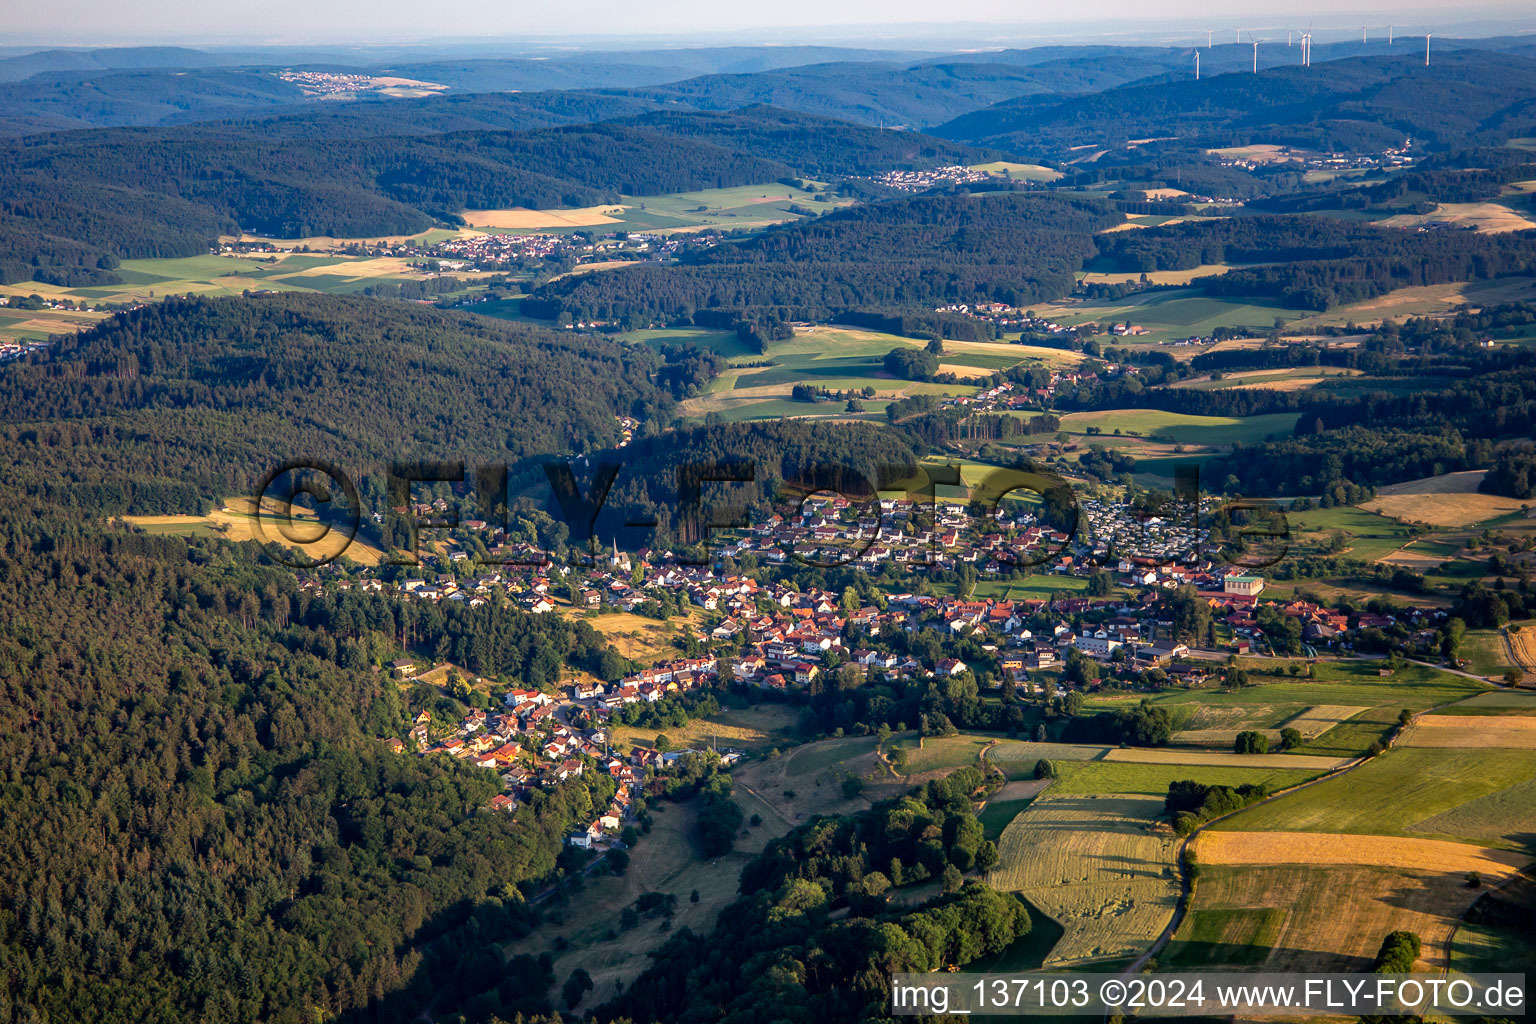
(1408, 791)
(1226, 935)
(1181, 427)
(1174, 313)
(1078, 777)
(750, 727)
(817, 757)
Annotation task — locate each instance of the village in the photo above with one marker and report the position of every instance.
(777, 639)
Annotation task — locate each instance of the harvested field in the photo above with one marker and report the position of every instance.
(1332, 917)
(1487, 217)
(234, 520)
(1009, 752)
(1522, 647)
(1218, 726)
(1211, 759)
(1471, 732)
(1451, 499)
(1236, 848)
(518, 218)
(1100, 866)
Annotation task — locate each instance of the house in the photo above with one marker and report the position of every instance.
(419, 728)
(950, 666)
(405, 667)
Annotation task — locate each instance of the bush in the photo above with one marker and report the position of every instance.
(1251, 742)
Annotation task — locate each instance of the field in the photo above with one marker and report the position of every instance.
(841, 359)
(1366, 535)
(1129, 777)
(1466, 731)
(216, 275)
(1172, 314)
(1100, 866)
(234, 520)
(1211, 759)
(40, 324)
(1241, 848)
(1508, 944)
(1219, 726)
(664, 860)
(741, 206)
(1451, 499)
(1313, 917)
(1424, 299)
(638, 637)
(1479, 796)
(1490, 217)
(1007, 803)
(750, 727)
(1158, 277)
(1181, 427)
(1496, 702)
(519, 219)
(1019, 172)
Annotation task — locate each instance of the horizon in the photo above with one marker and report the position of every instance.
(29, 29)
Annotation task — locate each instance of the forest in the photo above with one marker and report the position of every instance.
(1318, 262)
(201, 819)
(167, 407)
(171, 192)
(905, 254)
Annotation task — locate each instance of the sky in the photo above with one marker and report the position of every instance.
(290, 22)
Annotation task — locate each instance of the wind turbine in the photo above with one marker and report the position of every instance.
(1288, 33)
(1237, 35)
(1197, 65)
(1362, 35)
(1256, 43)
(1426, 47)
(1389, 35)
(1208, 39)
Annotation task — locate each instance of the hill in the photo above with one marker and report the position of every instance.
(178, 403)
(77, 202)
(908, 254)
(1365, 102)
(814, 146)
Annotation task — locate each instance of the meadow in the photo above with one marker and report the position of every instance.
(839, 359)
(1182, 427)
(1413, 791)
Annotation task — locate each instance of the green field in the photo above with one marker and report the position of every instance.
(1366, 535)
(837, 358)
(1088, 777)
(219, 275)
(1181, 427)
(1175, 313)
(1414, 791)
(1224, 935)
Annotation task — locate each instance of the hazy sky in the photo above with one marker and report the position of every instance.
(363, 21)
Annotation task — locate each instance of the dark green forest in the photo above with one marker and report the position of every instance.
(904, 254)
(200, 819)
